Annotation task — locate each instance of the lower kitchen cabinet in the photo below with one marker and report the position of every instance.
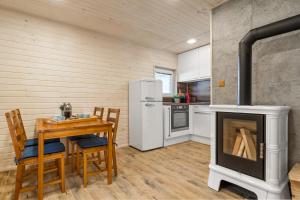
(201, 124)
(167, 121)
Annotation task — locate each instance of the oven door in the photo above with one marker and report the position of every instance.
(179, 119)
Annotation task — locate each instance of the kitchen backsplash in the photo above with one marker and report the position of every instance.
(199, 90)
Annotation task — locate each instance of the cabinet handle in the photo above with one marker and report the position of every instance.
(203, 112)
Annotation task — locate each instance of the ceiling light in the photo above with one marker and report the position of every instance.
(191, 41)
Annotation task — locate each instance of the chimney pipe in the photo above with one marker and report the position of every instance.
(245, 53)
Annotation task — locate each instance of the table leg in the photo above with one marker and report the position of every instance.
(40, 166)
(109, 164)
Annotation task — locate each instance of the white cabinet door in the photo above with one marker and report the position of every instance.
(204, 65)
(187, 63)
(167, 122)
(201, 123)
(194, 64)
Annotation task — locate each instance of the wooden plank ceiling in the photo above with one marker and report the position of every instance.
(162, 24)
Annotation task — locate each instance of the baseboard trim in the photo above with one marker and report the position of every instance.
(179, 139)
(200, 139)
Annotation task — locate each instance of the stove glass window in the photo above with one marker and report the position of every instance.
(239, 138)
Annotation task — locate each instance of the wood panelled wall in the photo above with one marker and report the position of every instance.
(44, 63)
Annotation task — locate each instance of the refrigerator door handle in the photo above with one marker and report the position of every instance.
(150, 81)
(149, 105)
(149, 98)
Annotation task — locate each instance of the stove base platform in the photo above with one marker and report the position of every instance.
(262, 189)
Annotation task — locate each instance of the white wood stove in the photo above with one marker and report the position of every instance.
(271, 151)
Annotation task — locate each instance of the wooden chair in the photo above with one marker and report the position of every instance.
(27, 155)
(86, 147)
(98, 111)
(33, 141)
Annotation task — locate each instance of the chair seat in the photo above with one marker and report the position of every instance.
(80, 137)
(92, 142)
(32, 151)
(34, 141)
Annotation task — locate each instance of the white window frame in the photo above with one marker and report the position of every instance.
(171, 72)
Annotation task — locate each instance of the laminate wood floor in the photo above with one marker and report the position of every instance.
(177, 172)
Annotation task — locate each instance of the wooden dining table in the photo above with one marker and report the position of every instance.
(48, 129)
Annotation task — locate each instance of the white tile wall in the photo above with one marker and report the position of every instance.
(44, 63)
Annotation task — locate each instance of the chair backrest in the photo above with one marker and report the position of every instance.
(24, 136)
(16, 130)
(113, 119)
(99, 111)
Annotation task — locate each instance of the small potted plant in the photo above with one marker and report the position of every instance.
(176, 98)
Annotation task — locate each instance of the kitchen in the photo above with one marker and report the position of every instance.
(188, 118)
(137, 99)
(185, 113)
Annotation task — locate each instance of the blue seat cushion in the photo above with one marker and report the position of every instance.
(32, 151)
(32, 142)
(80, 137)
(92, 142)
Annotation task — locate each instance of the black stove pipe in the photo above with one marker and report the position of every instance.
(245, 53)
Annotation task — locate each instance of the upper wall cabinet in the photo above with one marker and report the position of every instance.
(194, 64)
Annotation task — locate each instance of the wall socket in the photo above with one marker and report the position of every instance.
(221, 83)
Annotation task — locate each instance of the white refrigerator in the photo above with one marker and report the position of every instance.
(145, 114)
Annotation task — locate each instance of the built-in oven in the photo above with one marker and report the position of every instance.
(179, 118)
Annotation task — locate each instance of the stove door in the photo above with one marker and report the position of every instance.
(240, 142)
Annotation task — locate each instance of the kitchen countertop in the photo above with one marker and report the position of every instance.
(193, 103)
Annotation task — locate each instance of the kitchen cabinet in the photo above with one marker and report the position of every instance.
(204, 62)
(187, 64)
(194, 64)
(167, 121)
(201, 124)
